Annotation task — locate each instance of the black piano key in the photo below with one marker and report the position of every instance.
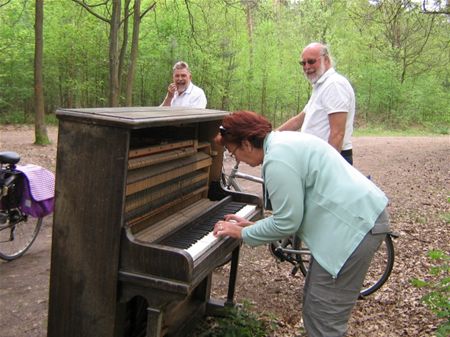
(187, 238)
(190, 234)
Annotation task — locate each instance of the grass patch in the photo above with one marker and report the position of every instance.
(446, 217)
(239, 321)
(383, 132)
(417, 130)
(16, 118)
(20, 117)
(438, 289)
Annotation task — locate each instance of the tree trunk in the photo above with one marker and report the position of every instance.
(123, 48)
(114, 84)
(250, 28)
(133, 53)
(40, 129)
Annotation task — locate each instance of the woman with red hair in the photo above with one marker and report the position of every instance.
(315, 194)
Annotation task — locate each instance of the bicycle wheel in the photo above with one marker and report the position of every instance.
(379, 270)
(17, 234)
(293, 251)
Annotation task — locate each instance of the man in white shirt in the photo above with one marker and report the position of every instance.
(182, 92)
(330, 111)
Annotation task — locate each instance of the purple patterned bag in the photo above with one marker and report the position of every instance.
(39, 190)
(37, 209)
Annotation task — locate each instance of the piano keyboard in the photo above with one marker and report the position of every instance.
(198, 237)
(206, 242)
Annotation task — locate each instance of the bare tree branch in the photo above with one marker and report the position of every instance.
(89, 9)
(151, 7)
(129, 13)
(191, 22)
(4, 4)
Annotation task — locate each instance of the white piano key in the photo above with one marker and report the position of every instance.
(246, 211)
(206, 242)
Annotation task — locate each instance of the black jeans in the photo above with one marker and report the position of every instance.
(348, 155)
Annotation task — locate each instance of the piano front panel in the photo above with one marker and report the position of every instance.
(162, 176)
(167, 197)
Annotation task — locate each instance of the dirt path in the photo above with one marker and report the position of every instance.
(414, 173)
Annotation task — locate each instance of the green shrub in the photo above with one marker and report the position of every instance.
(437, 298)
(237, 322)
(50, 119)
(20, 117)
(16, 117)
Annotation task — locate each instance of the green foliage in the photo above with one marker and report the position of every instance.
(238, 322)
(16, 117)
(51, 119)
(16, 56)
(446, 217)
(438, 128)
(243, 54)
(437, 297)
(381, 130)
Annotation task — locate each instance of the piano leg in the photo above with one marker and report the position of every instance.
(154, 322)
(233, 276)
(216, 307)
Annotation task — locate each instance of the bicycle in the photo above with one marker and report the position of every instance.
(20, 217)
(294, 251)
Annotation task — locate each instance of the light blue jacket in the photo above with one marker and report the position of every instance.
(315, 193)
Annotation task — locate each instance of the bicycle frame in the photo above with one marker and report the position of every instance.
(230, 180)
(236, 174)
(5, 183)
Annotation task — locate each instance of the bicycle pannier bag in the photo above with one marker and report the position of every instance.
(38, 192)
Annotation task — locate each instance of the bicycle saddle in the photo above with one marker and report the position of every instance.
(9, 157)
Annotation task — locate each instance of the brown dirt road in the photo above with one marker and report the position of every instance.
(414, 173)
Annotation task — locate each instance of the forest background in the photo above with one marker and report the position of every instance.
(244, 54)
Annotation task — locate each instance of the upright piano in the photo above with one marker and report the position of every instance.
(137, 195)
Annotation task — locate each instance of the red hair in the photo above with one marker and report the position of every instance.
(244, 125)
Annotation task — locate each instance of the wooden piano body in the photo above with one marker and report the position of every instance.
(130, 184)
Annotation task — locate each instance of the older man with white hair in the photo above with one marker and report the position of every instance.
(330, 111)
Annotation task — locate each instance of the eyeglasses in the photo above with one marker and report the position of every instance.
(232, 153)
(309, 61)
(223, 131)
